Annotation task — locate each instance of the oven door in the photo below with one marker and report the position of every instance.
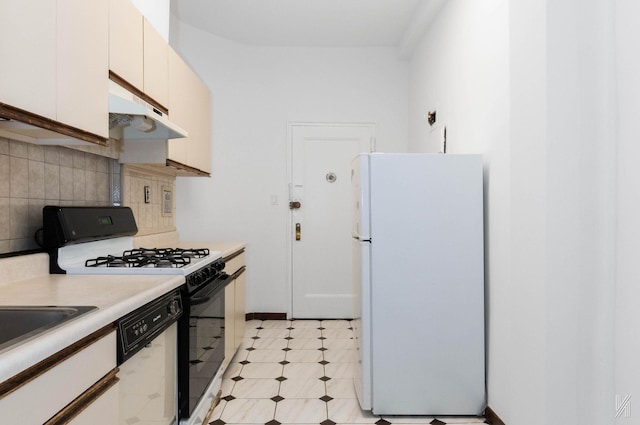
(201, 336)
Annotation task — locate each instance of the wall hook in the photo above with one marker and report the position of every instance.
(431, 117)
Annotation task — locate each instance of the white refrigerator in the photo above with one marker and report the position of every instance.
(418, 277)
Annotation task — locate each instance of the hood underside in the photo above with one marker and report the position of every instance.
(131, 118)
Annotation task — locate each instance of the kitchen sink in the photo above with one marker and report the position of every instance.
(20, 323)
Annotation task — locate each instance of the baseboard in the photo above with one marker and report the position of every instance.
(266, 316)
(492, 418)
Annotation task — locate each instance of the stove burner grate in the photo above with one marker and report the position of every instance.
(108, 261)
(145, 257)
(169, 252)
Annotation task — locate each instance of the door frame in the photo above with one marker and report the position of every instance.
(291, 125)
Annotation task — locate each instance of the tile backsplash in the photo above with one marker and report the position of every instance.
(150, 215)
(32, 176)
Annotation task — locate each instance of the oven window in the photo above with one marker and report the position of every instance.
(206, 343)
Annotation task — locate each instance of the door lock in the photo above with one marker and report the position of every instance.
(294, 205)
(298, 231)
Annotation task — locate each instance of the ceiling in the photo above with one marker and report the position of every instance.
(326, 23)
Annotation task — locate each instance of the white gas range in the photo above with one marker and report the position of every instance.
(99, 240)
(118, 256)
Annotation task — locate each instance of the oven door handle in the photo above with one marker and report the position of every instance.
(199, 300)
(221, 281)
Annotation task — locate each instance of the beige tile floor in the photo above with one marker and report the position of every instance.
(299, 372)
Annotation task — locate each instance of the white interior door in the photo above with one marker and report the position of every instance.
(321, 225)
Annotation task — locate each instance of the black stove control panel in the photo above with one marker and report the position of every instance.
(141, 326)
(205, 275)
(68, 225)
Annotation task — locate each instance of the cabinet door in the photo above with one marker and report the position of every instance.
(28, 50)
(82, 65)
(199, 145)
(178, 105)
(102, 411)
(50, 391)
(229, 325)
(125, 42)
(190, 108)
(239, 313)
(156, 65)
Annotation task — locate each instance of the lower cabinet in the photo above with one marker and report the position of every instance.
(239, 313)
(101, 411)
(234, 305)
(75, 385)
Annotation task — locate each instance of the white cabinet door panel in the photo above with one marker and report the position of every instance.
(82, 65)
(28, 49)
(44, 396)
(125, 42)
(102, 411)
(156, 65)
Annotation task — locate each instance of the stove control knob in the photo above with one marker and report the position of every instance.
(174, 307)
(145, 327)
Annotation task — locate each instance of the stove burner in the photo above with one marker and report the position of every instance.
(145, 257)
(169, 252)
(108, 261)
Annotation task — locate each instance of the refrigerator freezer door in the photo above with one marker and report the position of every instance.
(360, 212)
(361, 251)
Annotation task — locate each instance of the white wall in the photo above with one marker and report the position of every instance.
(530, 85)
(627, 313)
(461, 69)
(256, 91)
(157, 12)
(516, 384)
(548, 93)
(580, 211)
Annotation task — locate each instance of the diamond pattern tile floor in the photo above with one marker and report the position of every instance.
(299, 372)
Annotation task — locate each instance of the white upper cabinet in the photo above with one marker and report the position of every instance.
(178, 105)
(199, 140)
(190, 108)
(156, 65)
(138, 53)
(189, 103)
(53, 78)
(126, 43)
(28, 50)
(82, 79)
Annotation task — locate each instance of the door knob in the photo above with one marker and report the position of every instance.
(294, 205)
(298, 231)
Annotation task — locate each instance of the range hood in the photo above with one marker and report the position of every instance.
(138, 119)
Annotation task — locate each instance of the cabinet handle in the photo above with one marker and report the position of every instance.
(298, 231)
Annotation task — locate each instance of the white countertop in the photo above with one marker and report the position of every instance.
(225, 247)
(172, 239)
(24, 281)
(115, 296)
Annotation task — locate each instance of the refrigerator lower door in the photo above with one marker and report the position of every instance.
(361, 254)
